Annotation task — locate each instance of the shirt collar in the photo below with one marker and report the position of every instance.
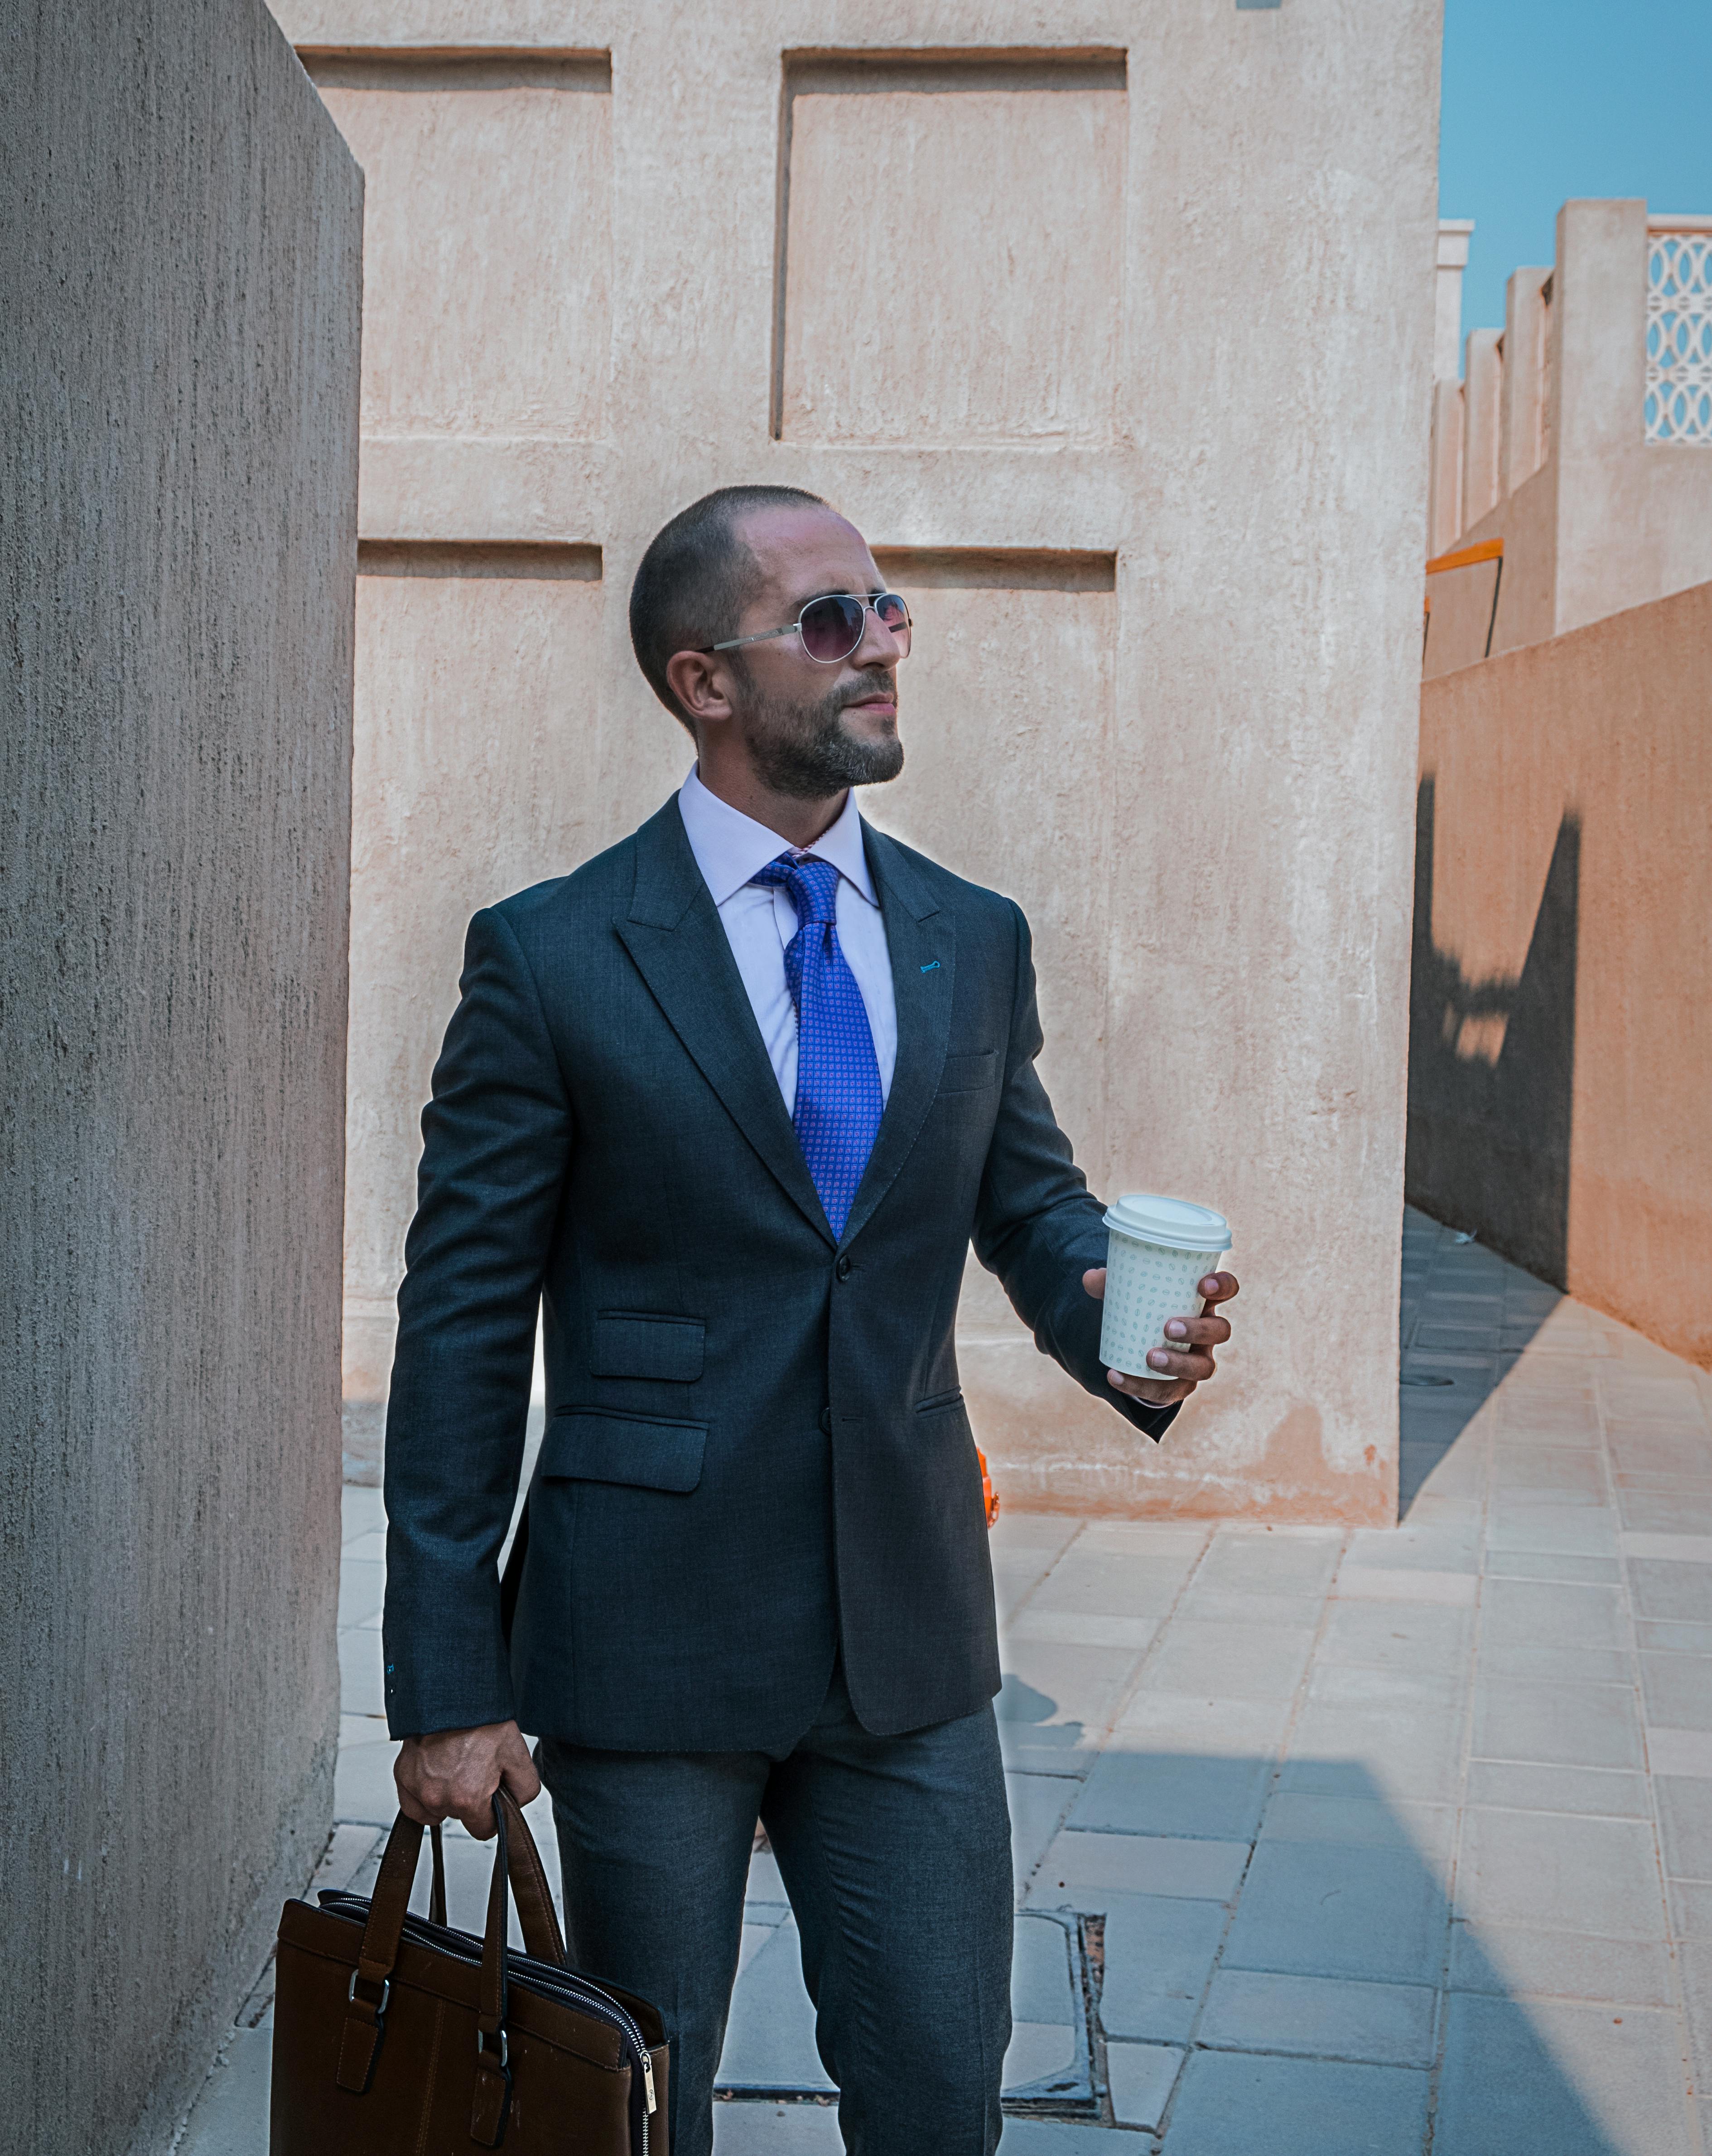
(730, 847)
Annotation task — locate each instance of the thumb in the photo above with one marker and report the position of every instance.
(1093, 1282)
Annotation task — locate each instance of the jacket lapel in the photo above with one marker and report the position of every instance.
(923, 946)
(680, 946)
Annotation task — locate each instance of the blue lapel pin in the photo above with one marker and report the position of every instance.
(931, 967)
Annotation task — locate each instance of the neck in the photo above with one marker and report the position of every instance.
(798, 822)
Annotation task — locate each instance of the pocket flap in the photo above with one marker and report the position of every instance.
(587, 1446)
(969, 1074)
(634, 1343)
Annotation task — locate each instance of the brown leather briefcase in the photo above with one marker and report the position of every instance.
(396, 2036)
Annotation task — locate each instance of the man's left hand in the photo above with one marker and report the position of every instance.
(1187, 1361)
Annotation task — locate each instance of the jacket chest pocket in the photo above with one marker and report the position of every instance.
(637, 1344)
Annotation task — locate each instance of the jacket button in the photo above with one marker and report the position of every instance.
(826, 1420)
(842, 1269)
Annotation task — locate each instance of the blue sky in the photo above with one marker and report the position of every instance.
(1546, 98)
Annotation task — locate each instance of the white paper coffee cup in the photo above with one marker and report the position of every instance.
(1158, 1250)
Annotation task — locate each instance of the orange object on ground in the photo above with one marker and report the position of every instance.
(989, 1495)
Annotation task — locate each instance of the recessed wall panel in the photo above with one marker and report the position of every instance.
(1006, 707)
(477, 701)
(951, 264)
(487, 240)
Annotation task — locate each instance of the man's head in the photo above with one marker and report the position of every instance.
(740, 563)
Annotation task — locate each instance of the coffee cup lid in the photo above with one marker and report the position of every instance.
(1174, 1222)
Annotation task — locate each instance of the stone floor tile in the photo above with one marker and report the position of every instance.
(1550, 1872)
(1542, 1612)
(1047, 1535)
(1036, 2049)
(363, 1788)
(1048, 1680)
(1511, 1785)
(1180, 1540)
(1664, 1639)
(1053, 2136)
(1159, 1957)
(1220, 1605)
(1312, 1909)
(1156, 1721)
(1366, 1583)
(362, 1681)
(1674, 1586)
(1038, 1803)
(1080, 1868)
(1408, 1752)
(777, 2129)
(1685, 1824)
(362, 1588)
(1689, 1902)
(1544, 1467)
(1409, 1548)
(1563, 1725)
(1385, 2025)
(1508, 1961)
(1574, 1571)
(362, 1511)
(1175, 1793)
(1547, 2078)
(1229, 1661)
(1081, 1628)
(1660, 1452)
(1109, 1584)
(1676, 1690)
(1041, 1983)
(769, 2037)
(1141, 2078)
(1694, 1961)
(1231, 2103)
(1684, 1511)
(1443, 1686)
(1574, 1530)
(1360, 1822)
(229, 2117)
(1678, 1751)
(1397, 1635)
(1280, 1560)
(1503, 1658)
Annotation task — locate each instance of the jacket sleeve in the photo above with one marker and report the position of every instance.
(497, 1136)
(1036, 1224)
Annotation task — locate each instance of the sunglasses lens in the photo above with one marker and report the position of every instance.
(893, 613)
(832, 628)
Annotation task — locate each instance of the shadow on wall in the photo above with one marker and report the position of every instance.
(1492, 1072)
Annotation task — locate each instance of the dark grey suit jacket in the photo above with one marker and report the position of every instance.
(757, 1454)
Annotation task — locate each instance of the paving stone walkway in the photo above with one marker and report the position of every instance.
(1349, 1844)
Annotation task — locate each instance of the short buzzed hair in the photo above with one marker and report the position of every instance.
(695, 579)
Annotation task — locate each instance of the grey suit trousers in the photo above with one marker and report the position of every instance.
(895, 1852)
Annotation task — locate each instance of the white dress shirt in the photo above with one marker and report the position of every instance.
(760, 920)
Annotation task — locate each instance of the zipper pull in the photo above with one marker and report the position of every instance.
(647, 2081)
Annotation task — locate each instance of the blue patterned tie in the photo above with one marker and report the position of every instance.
(838, 1103)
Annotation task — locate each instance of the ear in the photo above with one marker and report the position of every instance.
(702, 684)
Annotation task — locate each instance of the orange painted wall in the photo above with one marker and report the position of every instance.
(1586, 761)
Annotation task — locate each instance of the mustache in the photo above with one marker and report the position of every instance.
(873, 681)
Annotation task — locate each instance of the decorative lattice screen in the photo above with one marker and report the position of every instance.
(1680, 338)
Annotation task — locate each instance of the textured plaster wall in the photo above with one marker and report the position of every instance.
(180, 228)
(1559, 1103)
(1113, 328)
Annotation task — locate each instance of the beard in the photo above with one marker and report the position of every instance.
(805, 752)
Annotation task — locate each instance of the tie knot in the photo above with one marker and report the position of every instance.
(813, 886)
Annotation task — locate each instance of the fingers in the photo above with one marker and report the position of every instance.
(1218, 1287)
(1094, 1283)
(1198, 1332)
(1151, 1392)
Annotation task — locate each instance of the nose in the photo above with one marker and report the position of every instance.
(880, 646)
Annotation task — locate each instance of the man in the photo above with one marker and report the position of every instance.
(729, 1105)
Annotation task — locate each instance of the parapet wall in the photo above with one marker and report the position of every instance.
(182, 229)
(1562, 1033)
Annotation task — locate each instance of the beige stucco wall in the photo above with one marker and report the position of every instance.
(1585, 763)
(1594, 517)
(1122, 350)
(182, 229)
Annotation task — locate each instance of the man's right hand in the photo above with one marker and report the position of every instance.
(453, 1773)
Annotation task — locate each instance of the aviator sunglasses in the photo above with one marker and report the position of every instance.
(831, 628)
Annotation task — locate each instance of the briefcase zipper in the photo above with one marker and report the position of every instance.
(538, 1976)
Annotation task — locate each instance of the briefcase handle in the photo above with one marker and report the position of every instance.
(516, 1862)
